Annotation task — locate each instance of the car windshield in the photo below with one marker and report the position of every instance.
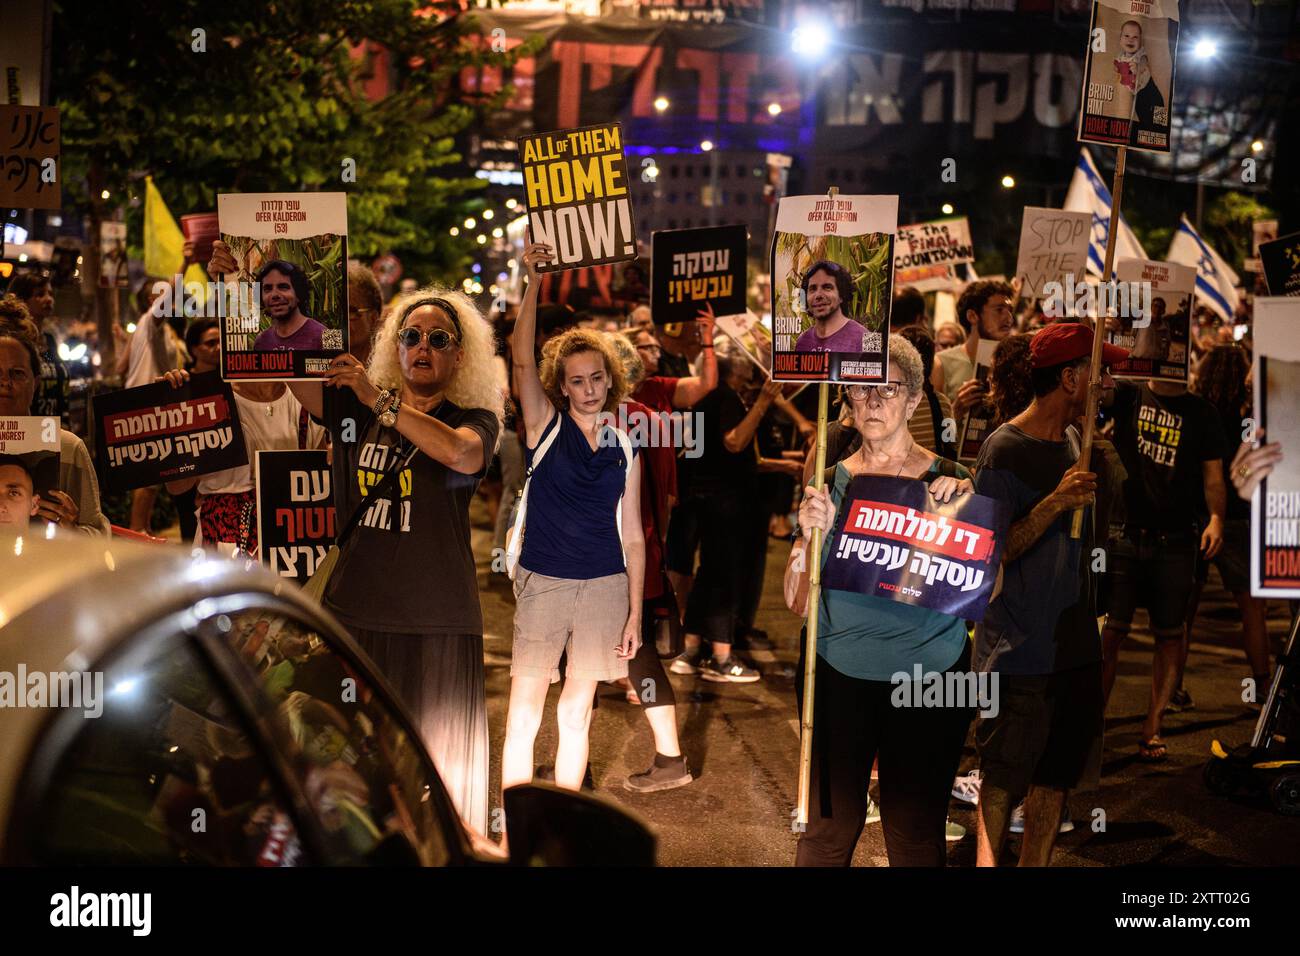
(371, 786)
(165, 775)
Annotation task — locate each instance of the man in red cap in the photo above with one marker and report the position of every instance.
(1039, 635)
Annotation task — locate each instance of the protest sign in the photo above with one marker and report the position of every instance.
(284, 314)
(923, 245)
(1128, 74)
(155, 433)
(691, 268)
(1275, 506)
(1157, 340)
(832, 287)
(575, 185)
(1280, 260)
(979, 420)
(112, 255)
(35, 439)
(29, 158)
(1053, 245)
(893, 540)
(295, 511)
(1261, 231)
(749, 332)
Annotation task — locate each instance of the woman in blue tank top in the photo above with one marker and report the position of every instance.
(578, 583)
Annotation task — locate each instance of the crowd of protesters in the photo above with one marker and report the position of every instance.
(612, 542)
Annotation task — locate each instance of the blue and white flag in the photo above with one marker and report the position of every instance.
(1088, 193)
(1216, 283)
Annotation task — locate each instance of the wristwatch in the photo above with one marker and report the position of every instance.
(388, 417)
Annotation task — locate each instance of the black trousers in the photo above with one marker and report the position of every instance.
(854, 722)
(714, 606)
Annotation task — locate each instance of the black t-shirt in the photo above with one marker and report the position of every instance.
(408, 567)
(51, 399)
(1234, 426)
(716, 469)
(1163, 441)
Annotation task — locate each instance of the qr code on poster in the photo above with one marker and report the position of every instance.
(332, 339)
(871, 342)
(1160, 116)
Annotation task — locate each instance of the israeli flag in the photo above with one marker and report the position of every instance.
(1088, 193)
(1216, 283)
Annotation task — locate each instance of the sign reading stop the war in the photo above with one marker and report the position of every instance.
(1053, 245)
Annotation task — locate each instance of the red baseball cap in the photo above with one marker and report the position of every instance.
(1064, 342)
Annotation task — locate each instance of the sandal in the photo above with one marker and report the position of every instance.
(1152, 750)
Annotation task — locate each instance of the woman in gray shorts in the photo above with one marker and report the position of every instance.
(578, 583)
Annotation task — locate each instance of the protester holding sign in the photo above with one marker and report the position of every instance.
(1040, 632)
(270, 418)
(74, 502)
(415, 433)
(579, 574)
(985, 311)
(863, 641)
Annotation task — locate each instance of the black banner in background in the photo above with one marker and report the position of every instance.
(155, 433)
(906, 80)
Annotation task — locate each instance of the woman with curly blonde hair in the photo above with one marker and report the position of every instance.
(418, 429)
(580, 570)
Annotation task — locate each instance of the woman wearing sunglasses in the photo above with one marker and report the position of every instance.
(578, 581)
(864, 640)
(421, 421)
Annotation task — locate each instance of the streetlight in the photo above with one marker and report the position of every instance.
(651, 172)
(1205, 48)
(706, 145)
(482, 239)
(1257, 146)
(488, 214)
(773, 109)
(512, 202)
(1008, 182)
(809, 40)
(454, 230)
(104, 194)
(661, 103)
(470, 223)
(498, 232)
(947, 209)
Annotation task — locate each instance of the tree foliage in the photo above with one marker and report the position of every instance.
(251, 96)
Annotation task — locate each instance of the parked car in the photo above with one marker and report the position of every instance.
(165, 708)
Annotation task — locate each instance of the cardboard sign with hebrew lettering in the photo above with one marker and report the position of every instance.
(692, 268)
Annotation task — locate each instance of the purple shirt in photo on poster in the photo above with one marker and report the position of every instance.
(308, 338)
(848, 339)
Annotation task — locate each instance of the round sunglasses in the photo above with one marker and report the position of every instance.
(439, 339)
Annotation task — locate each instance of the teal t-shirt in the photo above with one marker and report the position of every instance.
(871, 638)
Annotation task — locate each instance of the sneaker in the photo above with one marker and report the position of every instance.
(952, 832)
(732, 670)
(660, 778)
(1018, 819)
(1179, 700)
(873, 811)
(967, 788)
(685, 663)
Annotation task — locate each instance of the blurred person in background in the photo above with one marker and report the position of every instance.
(948, 335)
(985, 311)
(933, 426)
(909, 311)
(365, 309)
(74, 502)
(34, 291)
(1223, 380)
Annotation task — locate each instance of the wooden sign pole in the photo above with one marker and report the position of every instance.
(811, 610)
(1099, 334)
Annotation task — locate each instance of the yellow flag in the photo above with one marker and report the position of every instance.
(162, 237)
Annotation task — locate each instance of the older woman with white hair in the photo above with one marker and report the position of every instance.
(864, 640)
(418, 428)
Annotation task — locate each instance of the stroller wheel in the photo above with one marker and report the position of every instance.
(1286, 794)
(1221, 777)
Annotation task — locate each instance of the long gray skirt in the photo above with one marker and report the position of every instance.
(439, 679)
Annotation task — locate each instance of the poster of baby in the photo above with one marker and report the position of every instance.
(1128, 77)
